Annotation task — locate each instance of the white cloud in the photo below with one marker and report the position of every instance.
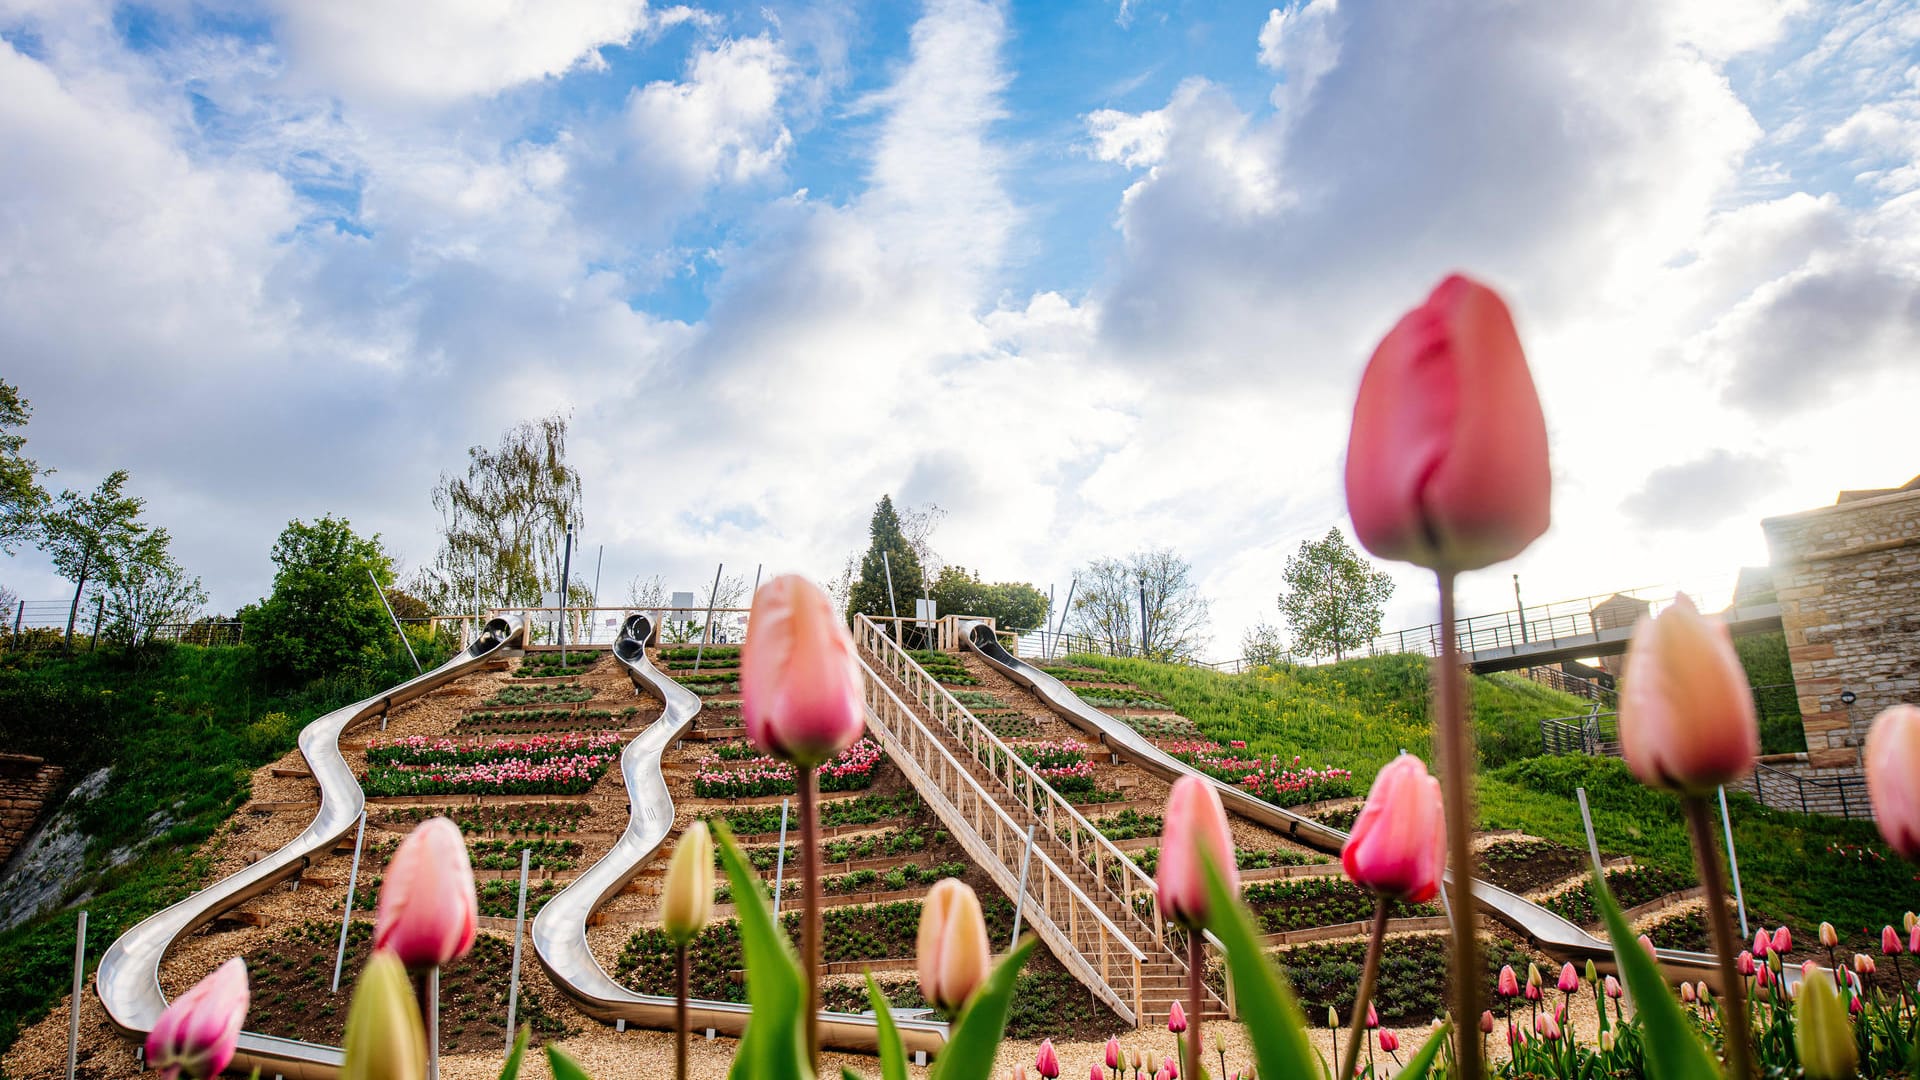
(719, 126)
(1300, 44)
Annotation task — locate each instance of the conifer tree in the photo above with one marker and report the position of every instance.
(869, 596)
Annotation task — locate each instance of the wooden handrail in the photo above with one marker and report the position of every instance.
(992, 836)
(962, 724)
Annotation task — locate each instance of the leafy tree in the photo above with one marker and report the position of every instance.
(1335, 599)
(21, 496)
(1013, 605)
(324, 615)
(506, 520)
(1108, 599)
(1262, 645)
(83, 532)
(142, 587)
(869, 594)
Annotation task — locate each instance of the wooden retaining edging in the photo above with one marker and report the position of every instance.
(1424, 925)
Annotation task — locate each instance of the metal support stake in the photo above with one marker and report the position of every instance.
(346, 916)
(566, 574)
(594, 602)
(780, 861)
(433, 1024)
(382, 594)
(1739, 898)
(1060, 628)
(519, 924)
(1020, 900)
(73, 1004)
(706, 632)
(892, 606)
(1143, 619)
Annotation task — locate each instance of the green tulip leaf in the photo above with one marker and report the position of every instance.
(1421, 1062)
(974, 1037)
(774, 1045)
(893, 1055)
(519, 1051)
(1268, 1010)
(1673, 1051)
(564, 1067)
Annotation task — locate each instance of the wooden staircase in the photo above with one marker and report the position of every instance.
(1086, 899)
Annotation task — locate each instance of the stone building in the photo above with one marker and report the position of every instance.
(1848, 581)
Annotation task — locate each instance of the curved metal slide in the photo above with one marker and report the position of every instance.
(1541, 926)
(560, 929)
(128, 980)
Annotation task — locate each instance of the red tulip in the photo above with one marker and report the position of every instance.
(198, 1032)
(1113, 1053)
(1509, 985)
(1893, 777)
(1447, 460)
(1569, 979)
(1177, 1019)
(1398, 844)
(1783, 940)
(1047, 1063)
(1195, 822)
(1890, 942)
(1389, 1042)
(427, 913)
(951, 948)
(799, 680)
(1686, 712)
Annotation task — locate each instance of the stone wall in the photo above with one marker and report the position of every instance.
(25, 784)
(1848, 578)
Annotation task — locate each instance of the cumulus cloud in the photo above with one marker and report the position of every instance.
(1705, 491)
(1301, 44)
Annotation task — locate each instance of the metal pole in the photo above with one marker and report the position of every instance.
(706, 632)
(756, 592)
(780, 861)
(433, 1024)
(346, 916)
(1143, 618)
(891, 605)
(1060, 628)
(599, 556)
(566, 575)
(519, 924)
(19, 613)
(1020, 899)
(479, 616)
(382, 594)
(73, 1004)
(1519, 608)
(1739, 898)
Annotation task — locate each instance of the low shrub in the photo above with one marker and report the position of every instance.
(561, 694)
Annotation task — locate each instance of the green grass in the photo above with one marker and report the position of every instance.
(183, 727)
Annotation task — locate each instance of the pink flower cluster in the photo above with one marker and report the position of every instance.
(1275, 779)
(1051, 755)
(562, 774)
(850, 770)
(416, 750)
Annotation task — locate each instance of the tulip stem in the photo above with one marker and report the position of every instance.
(1738, 1037)
(809, 783)
(1455, 751)
(1196, 992)
(1369, 975)
(680, 1012)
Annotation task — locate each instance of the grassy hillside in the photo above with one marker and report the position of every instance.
(183, 728)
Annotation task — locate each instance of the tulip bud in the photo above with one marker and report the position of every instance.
(1686, 716)
(1397, 846)
(1809, 969)
(952, 948)
(1533, 982)
(1647, 944)
(1139, 1062)
(1195, 822)
(1333, 1018)
(1047, 1063)
(1606, 1041)
(1219, 1043)
(1764, 977)
(1177, 1019)
(1018, 1072)
(1762, 944)
(1447, 460)
(428, 914)
(799, 680)
(1373, 1018)
(1908, 922)
(1890, 942)
(1829, 937)
(1783, 940)
(1863, 964)
(1550, 1028)
(198, 1032)
(687, 898)
(1095, 1073)
(1593, 973)
(1705, 993)
(1516, 1035)
(1569, 979)
(1686, 993)
(1893, 777)
(1822, 1033)
(1113, 1053)
(1614, 989)
(1509, 985)
(1389, 1042)
(1745, 963)
(385, 1039)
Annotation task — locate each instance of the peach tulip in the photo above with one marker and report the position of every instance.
(799, 680)
(1447, 460)
(427, 914)
(952, 946)
(199, 1031)
(1398, 846)
(1893, 777)
(1686, 712)
(1195, 822)
(1829, 937)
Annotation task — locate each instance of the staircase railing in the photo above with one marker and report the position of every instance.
(1596, 733)
(1063, 915)
(1063, 820)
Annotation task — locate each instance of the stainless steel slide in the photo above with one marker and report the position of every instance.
(128, 980)
(560, 930)
(1543, 927)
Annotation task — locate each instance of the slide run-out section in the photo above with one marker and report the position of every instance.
(128, 980)
(1543, 928)
(560, 930)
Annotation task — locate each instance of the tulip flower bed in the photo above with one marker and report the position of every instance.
(1275, 779)
(534, 820)
(747, 777)
(846, 849)
(422, 750)
(547, 665)
(535, 720)
(541, 854)
(865, 810)
(1631, 885)
(683, 657)
(543, 765)
(1161, 727)
(516, 696)
(1522, 866)
(1149, 860)
(944, 667)
(862, 881)
(1341, 818)
(1046, 1003)
(1413, 975)
(1299, 905)
(290, 976)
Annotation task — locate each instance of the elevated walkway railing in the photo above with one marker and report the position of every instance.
(1837, 796)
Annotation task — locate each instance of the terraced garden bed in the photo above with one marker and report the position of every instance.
(1413, 975)
(751, 821)
(945, 667)
(1522, 866)
(535, 819)
(567, 764)
(684, 657)
(1275, 779)
(1103, 698)
(1128, 825)
(1341, 818)
(518, 721)
(1282, 906)
(501, 899)
(1149, 859)
(895, 879)
(1631, 885)
(548, 665)
(909, 840)
(521, 696)
(737, 771)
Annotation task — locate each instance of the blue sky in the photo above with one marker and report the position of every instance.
(1089, 278)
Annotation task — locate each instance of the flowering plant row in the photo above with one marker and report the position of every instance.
(1051, 755)
(720, 778)
(419, 750)
(569, 775)
(1273, 778)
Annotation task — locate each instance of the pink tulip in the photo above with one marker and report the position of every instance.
(1893, 777)
(1613, 988)
(1389, 1042)
(1783, 940)
(1560, 1011)
(1177, 1019)
(1569, 979)
(1047, 1063)
(1890, 942)
(1647, 944)
(198, 1032)
(1113, 1053)
(1762, 943)
(951, 948)
(1516, 1035)
(1764, 977)
(427, 914)
(1913, 939)
(1550, 1029)
(1095, 1073)
(1398, 844)
(1486, 1022)
(1746, 964)
(1509, 985)
(799, 680)
(1686, 716)
(1195, 822)
(1447, 460)
(1373, 1018)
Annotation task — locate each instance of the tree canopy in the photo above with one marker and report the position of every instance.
(82, 533)
(1013, 605)
(1335, 599)
(505, 521)
(325, 614)
(869, 594)
(21, 496)
(142, 588)
(1107, 605)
